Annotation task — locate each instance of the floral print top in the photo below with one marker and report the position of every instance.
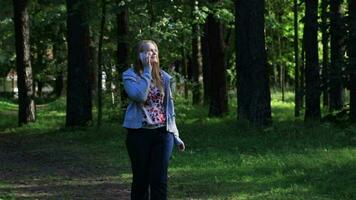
(154, 113)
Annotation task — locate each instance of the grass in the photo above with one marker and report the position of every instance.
(224, 159)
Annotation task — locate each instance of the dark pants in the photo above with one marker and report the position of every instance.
(149, 151)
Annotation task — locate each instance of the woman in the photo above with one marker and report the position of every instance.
(150, 121)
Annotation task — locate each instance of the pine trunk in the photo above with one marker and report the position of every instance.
(58, 83)
(312, 79)
(352, 57)
(27, 110)
(122, 51)
(302, 72)
(196, 58)
(336, 86)
(206, 65)
(100, 89)
(218, 99)
(253, 92)
(79, 98)
(325, 42)
(296, 61)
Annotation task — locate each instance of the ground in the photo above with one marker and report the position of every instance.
(55, 169)
(224, 158)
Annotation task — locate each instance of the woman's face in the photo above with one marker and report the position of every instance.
(152, 52)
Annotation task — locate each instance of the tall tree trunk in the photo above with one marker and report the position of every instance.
(296, 61)
(281, 67)
(79, 98)
(58, 83)
(253, 92)
(312, 78)
(218, 99)
(336, 86)
(39, 88)
(196, 57)
(302, 72)
(325, 41)
(207, 80)
(122, 51)
(27, 110)
(184, 62)
(352, 57)
(100, 89)
(4, 85)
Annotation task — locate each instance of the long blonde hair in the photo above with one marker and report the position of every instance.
(138, 67)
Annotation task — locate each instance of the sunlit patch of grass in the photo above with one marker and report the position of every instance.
(7, 105)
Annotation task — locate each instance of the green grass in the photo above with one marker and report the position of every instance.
(224, 158)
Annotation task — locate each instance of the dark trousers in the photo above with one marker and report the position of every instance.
(149, 151)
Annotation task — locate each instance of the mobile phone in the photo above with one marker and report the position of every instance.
(142, 57)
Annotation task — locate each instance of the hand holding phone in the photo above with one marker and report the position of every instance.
(145, 59)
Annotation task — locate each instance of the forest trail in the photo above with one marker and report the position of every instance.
(42, 167)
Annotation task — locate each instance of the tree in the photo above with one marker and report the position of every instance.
(218, 99)
(296, 61)
(79, 99)
(122, 47)
(325, 41)
(24, 70)
(102, 25)
(253, 94)
(207, 80)
(312, 78)
(352, 57)
(336, 46)
(196, 55)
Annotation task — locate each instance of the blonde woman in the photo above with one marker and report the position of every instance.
(150, 121)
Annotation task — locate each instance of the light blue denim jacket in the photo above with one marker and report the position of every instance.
(137, 87)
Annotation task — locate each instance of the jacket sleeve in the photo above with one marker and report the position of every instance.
(137, 89)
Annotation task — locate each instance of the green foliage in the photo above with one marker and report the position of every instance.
(279, 23)
(7, 41)
(47, 38)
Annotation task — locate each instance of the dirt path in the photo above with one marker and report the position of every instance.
(36, 167)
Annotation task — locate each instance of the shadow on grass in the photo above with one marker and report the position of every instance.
(8, 120)
(227, 159)
(63, 164)
(224, 159)
(84, 189)
(326, 182)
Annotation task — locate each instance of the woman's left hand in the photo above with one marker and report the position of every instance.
(180, 144)
(181, 147)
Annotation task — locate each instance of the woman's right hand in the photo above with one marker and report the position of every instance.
(145, 59)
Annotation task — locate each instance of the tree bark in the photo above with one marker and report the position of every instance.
(253, 92)
(206, 65)
(218, 99)
(58, 83)
(325, 42)
(336, 86)
(352, 57)
(302, 72)
(100, 89)
(27, 110)
(296, 61)
(281, 67)
(312, 78)
(122, 51)
(39, 88)
(79, 98)
(196, 57)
